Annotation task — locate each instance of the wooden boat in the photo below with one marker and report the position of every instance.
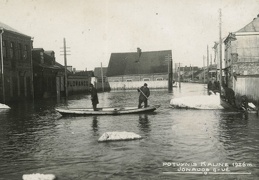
(250, 109)
(104, 111)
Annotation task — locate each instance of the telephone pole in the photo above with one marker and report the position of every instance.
(170, 72)
(2, 64)
(208, 63)
(220, 52)
(203, 69)
(65, 63)
(102, 76)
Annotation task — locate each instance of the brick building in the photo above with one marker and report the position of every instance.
(16, 65)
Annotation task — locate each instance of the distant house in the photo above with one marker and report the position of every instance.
(79, 81)
(129, 70)
(101, 81)
(48, 74)
(16, 77)
(242, 60)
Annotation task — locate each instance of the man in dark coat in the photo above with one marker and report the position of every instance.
(94, 97)
(143, 96)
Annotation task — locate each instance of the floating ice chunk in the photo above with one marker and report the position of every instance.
(3, 106)
(38, 176)
(115, 136)
(197, 102)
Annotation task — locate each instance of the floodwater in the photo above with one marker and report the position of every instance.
(176, 144)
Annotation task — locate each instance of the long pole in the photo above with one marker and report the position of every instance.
(179, 76)
(32, 79)
(170, 73)
(102, 76)
(220, 52)
(208, 63)
(203, 69)
(65, 62)
(2, 64)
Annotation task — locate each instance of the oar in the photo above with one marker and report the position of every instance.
(157, 105)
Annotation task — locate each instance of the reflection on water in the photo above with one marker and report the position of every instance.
(95, 124)
(35, 138)
(144, 123)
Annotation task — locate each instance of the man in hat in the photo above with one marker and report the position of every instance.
(143, 96)
(94, 97)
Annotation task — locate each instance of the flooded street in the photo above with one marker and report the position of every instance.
(34, 138)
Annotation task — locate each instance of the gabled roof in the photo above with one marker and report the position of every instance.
(98, 71)
(251, 27)
(8, 28)
(129, 63)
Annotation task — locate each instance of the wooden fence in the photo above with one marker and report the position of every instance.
(247, 85)
(137, 84)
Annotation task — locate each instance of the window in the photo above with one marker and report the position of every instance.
(41, 58)
(12, 50)
(19, 53)
(159, 79)
(26, 52)
(4, 49)
(128, 80)
(146, 79)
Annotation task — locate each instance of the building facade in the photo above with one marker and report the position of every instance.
(16, 65)
(79, 82)
(242, 60)
(48, 75)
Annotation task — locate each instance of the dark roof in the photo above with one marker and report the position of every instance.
(90, 73)
(8, 28)
(98, 72)
(251, 27)
(129, 63)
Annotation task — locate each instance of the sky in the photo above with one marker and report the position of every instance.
(94, 29)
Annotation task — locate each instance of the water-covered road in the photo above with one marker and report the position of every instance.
(176, 144)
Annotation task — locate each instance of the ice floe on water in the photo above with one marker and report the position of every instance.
(116, 136)
(38, 176)
(197, 102)
(3, 106)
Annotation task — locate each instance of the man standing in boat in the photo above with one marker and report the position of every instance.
(94, 97)
(143, 96)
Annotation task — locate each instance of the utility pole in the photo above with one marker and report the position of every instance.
(220, 52)
(210, 59)
(102, 77)
(203, 69)
(65, 63)
(170, 72)
(2, 64)
(208, 63)
(179, 75)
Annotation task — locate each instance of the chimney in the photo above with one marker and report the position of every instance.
(74, 70)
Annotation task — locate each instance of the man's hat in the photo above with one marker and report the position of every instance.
(145, 84)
